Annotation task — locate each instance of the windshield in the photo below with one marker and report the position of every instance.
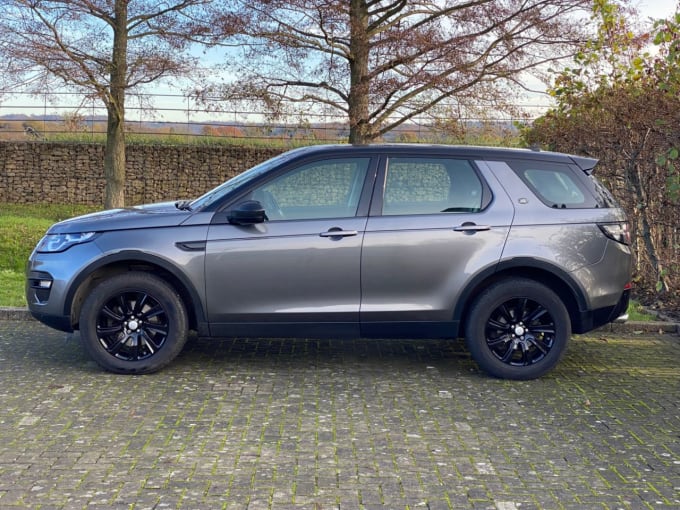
(227, 187)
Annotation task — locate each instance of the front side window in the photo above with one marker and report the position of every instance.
(214, 196)
(322, 189)
(431, 186)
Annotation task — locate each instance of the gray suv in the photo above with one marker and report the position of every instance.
(512, 249)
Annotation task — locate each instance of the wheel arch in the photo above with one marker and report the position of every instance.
(134, 261)
(569, 290)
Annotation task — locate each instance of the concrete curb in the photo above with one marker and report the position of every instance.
(14, 314)
(635, 327)
(630, 327)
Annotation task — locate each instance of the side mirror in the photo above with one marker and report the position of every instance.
(249, 212)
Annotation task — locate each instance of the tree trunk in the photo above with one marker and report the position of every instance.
(358, 107)
(638, 182)
(114, 153)
(114, 160)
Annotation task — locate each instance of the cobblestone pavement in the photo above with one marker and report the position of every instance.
(338, 425)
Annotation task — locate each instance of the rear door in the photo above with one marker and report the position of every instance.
(435, 223)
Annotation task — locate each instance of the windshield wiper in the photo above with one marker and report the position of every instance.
(183, 205)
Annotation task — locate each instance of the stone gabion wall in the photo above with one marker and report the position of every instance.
(45, 172)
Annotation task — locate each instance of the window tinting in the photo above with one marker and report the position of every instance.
(431, 186)
(557, 185)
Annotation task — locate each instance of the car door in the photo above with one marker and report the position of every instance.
(435, 222)
(299, 268)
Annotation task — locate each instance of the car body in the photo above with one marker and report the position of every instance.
(514, 249)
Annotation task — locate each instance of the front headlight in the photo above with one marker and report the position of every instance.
(54, 243)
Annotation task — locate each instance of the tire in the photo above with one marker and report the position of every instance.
(517, 329)
(133, 323)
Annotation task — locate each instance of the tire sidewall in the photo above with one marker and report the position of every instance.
(489, 300)
(159, 290)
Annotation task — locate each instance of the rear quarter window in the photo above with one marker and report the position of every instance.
(562, 186)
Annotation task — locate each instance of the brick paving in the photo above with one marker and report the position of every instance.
(323, 425)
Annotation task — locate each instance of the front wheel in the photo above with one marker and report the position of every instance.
(133, 323)
(517, 329)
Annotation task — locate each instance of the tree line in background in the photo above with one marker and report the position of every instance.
(379, 64)
(376, 63)
(620, 102)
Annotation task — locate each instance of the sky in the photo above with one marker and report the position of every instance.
(656, 8)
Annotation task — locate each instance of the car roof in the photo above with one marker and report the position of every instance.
(478, 152)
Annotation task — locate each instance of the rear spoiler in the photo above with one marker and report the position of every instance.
(585, 164)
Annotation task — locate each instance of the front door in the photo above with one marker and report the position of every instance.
(302, 265)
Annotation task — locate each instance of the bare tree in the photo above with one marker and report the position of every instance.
(102, 48)
(380, 63)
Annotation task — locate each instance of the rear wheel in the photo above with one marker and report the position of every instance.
(133, 323)
(517, 329)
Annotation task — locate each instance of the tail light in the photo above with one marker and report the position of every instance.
(616, 232)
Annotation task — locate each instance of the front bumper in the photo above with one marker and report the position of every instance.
(41, 301)
(49, 277)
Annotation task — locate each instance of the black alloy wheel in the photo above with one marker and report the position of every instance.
(518, 329)
(132, 326)
(520, 332)
(133, 323)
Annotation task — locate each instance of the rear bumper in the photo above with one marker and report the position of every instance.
(594, 319)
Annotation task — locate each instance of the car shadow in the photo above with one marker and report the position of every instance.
(224, 353)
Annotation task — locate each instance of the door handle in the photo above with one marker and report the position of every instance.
(471, 227)
(338, 232)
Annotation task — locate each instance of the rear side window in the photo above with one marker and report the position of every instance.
(432, 186)
(560, 186)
